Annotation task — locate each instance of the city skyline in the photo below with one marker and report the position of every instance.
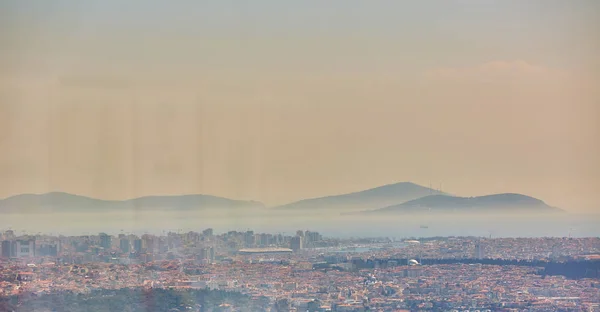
(322, 156)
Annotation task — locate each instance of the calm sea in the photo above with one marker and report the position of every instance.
(157, 222)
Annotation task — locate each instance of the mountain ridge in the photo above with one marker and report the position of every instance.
(402, 197)
(376, 197)
(62, 201)
(501, 202)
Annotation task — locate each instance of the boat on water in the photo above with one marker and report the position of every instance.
(424, 227)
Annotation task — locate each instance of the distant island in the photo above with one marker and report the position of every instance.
(398, 198)
(378, 197)
(65, 202)
(507, 202)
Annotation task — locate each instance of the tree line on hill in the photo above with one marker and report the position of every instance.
(574, 269)
(136, 300)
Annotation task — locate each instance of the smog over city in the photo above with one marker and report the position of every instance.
(309, 156)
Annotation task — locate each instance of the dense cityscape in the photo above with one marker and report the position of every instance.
(299, 156)
(304, 271)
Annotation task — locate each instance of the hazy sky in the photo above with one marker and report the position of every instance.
(277, 101)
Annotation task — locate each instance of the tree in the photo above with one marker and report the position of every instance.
(282, 305)
(314, 305)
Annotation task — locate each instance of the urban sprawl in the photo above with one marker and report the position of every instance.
(309, 272)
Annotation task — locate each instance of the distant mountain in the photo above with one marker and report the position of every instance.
(378, 197)
(489, 203)
(57, 201)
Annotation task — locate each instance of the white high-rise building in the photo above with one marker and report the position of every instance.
(479, 251)
(25, 248)
(296, 243)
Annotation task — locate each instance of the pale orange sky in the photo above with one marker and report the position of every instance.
(320, 102)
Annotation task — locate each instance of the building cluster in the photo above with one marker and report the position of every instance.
(305, 269)
(128, 248)
(545, 249)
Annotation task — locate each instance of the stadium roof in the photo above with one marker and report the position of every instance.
(264, 250)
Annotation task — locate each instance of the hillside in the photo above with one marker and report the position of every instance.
(59, 202)
(382, 196)
(489, 203)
